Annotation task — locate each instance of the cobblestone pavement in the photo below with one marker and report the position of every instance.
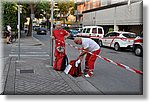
(39, 79)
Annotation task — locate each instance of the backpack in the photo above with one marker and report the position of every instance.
(74, 68)
(61, 63)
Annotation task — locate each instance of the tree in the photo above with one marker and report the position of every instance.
(66, 8)
(32, 8)
(42, 9)
(10, 15)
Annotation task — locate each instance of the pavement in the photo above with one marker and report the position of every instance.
(33, 75)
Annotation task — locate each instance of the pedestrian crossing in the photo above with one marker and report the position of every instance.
(28, 52)
(23, 55)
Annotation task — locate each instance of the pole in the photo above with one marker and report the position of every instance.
(18, 30)
(95, 19)
(32, 17)
(115, 20)
(51, 40)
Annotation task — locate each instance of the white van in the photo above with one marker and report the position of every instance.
(92, 32)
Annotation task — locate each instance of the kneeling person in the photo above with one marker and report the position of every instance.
(88, 45)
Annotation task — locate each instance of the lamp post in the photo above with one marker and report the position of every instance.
(18, 26)
(51, 40)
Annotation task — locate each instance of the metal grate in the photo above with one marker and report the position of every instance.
(37, 45)
(27, 71)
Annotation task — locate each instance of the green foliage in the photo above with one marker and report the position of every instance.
(10, 11)
(111, 29)
(42, 9)
(66, 6)
(10, 15)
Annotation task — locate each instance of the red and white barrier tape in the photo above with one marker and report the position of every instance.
(110, 61)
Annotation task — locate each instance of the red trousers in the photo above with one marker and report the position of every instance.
(90, 59)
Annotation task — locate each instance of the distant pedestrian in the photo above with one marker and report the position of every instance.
(26, 29)
(59, 35)
(8, 34)
(88, 45)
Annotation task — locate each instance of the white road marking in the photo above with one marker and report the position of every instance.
(21, 55)
(31, 52)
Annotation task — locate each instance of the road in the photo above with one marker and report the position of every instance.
(108, 78)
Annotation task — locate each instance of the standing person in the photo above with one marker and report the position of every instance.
(8, 34)
(88, 45)
(59, 35)
(26, 29)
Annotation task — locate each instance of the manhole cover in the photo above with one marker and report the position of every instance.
(27, 71)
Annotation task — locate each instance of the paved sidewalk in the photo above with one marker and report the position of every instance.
(32, 74)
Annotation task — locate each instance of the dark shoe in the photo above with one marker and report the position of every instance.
(85, 70)
(8, 43)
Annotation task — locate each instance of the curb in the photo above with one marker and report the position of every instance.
(81, 83)
(38, 40)
(10, 78)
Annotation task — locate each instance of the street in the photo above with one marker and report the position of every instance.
(108, 78)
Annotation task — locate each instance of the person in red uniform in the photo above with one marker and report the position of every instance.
(88, 45)
(59, 35)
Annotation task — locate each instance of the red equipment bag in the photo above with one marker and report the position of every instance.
(61, 60)
(74, 70)
(61, 63)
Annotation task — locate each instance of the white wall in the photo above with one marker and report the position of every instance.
(125, 15)
(129, 15)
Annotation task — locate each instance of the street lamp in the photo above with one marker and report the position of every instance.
(18, 27)
(51, 40)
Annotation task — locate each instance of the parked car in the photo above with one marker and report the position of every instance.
(79, 29)
(65, 28)
(118, 40)
(138, 45)
(93, 32)
(36, 28)
(73, 33)
(41, 31)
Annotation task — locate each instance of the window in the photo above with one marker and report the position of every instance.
(107, 35)
(112, 34)
(88, 30)
(99, 31)
(141, 34)
(84, 30)
(129, 35)
(94, 30)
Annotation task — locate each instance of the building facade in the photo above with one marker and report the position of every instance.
(123, 15)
